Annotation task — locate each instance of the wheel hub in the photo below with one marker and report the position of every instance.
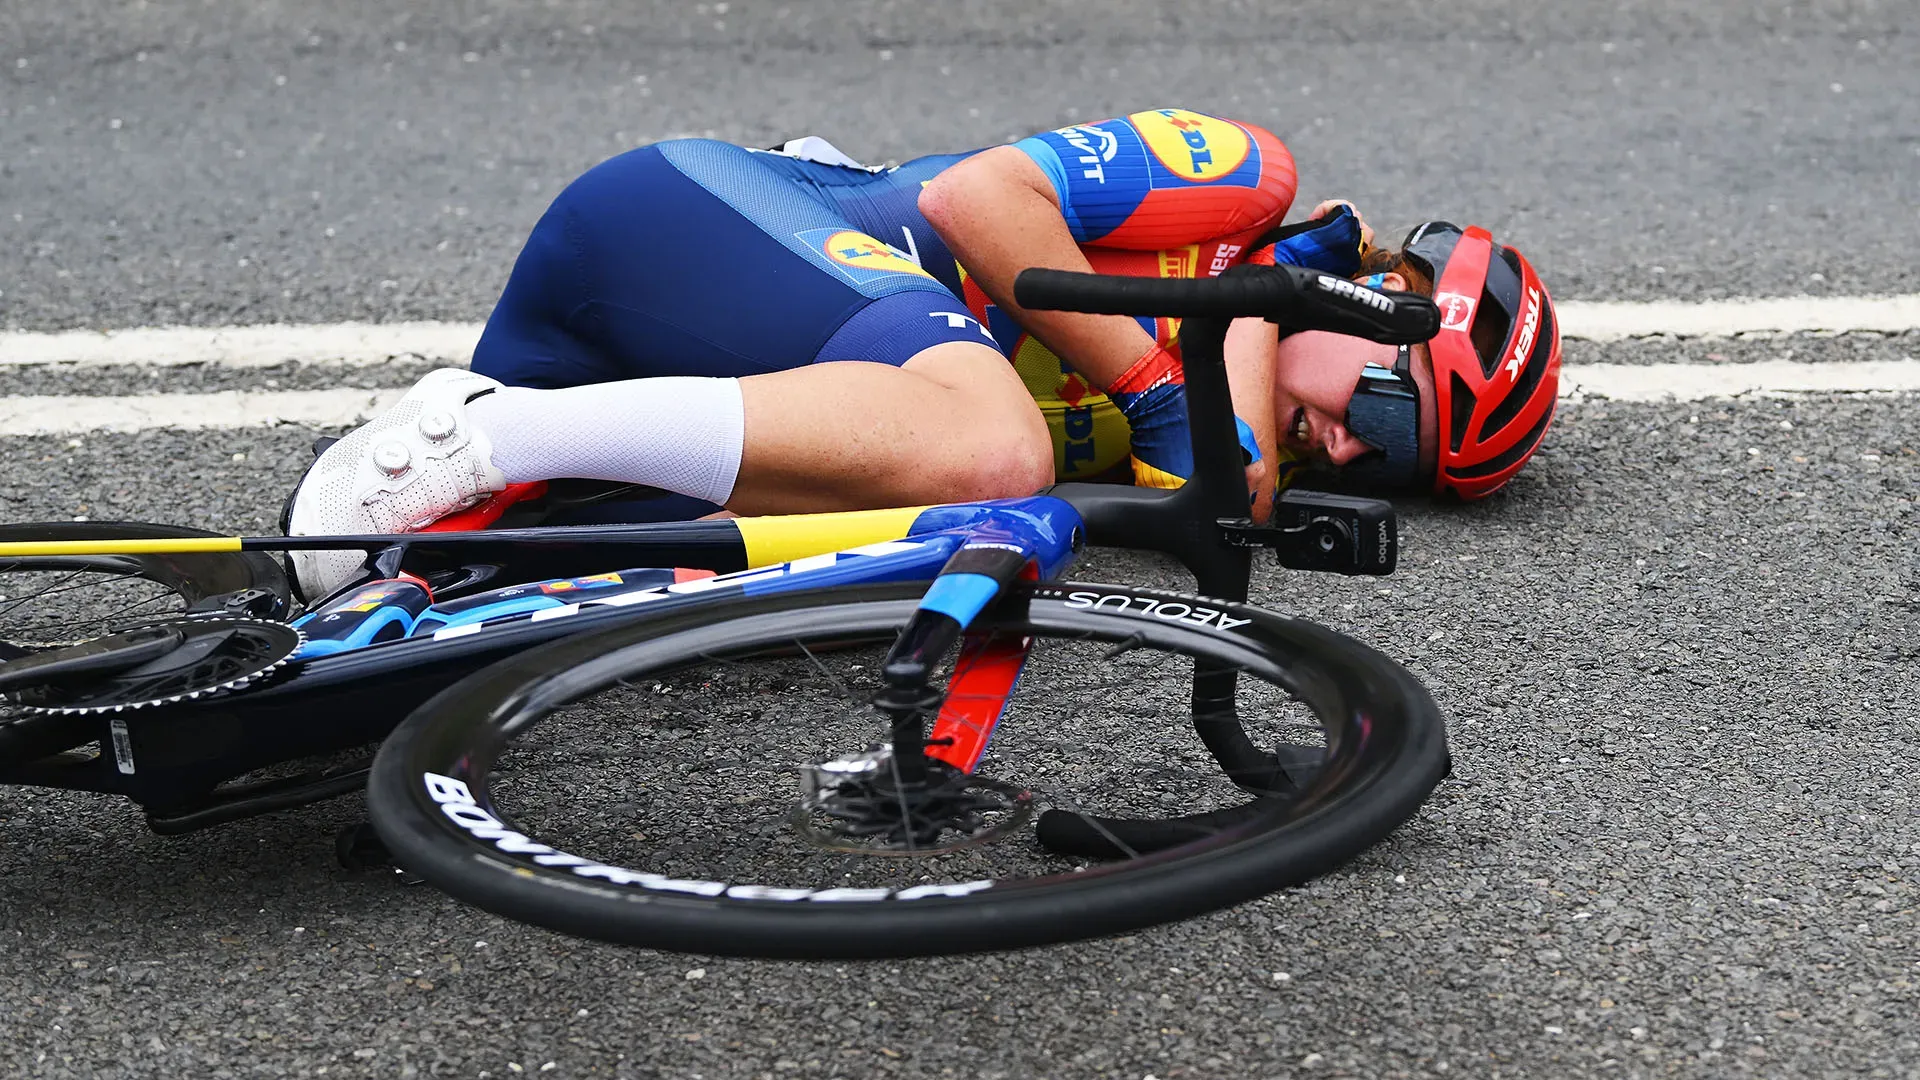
(860, 804)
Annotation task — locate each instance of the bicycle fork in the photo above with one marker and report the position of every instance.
(965, 711)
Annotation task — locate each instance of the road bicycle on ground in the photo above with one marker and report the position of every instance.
(784, 750)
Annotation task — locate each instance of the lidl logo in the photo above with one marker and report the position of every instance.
(571, 584)
(1193, 146)
(862, 257)
(365, 601)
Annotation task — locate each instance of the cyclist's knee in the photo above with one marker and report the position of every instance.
(1006, 450)
(995, 469)
(1011, 456)
(1018, 465)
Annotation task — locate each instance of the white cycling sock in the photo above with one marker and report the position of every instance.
(681, 434)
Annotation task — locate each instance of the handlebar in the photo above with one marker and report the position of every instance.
(1291, 296)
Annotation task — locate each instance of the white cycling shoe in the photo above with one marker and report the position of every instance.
(406, 468)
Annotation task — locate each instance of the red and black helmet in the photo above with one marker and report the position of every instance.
(1494, 400)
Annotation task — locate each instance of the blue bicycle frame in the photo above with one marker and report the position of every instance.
(1042, 531)
(967, 552)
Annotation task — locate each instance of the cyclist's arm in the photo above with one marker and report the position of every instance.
(1151, 181)
(999, 214)
(1252, 353)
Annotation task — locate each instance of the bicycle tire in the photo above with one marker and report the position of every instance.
(1387, 751)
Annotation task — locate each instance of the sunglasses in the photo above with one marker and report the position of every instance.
(1385, 414)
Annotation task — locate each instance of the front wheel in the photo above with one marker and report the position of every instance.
(652, 784)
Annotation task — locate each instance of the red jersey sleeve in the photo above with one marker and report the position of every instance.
(1165, 178)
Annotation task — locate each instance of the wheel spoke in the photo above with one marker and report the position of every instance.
(716, 739)
(78, 622)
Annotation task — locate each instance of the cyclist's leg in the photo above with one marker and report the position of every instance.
(733, 273)
(671, 286)
(951, 424)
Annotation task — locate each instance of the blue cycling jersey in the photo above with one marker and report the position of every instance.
(697, 257)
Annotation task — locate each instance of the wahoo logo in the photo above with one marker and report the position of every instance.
(1529, 326)
(1097, 146)
(1343, 287)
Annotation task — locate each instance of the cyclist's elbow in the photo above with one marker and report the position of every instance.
(979, 192)
(939, 200)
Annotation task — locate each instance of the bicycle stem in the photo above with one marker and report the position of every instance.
(1185, 523)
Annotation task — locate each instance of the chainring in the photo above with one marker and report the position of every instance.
(217, 654)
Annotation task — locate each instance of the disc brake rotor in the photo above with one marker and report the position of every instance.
(856, 805)
(214, 654)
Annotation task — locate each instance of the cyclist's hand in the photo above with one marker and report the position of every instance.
(1163, 453)
(1366, 231)
(1332, 242)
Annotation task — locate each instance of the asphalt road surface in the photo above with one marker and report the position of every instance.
(1679, 655)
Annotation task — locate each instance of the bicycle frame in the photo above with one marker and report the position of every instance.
(174, 760)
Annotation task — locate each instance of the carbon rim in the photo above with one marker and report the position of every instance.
(469, 806)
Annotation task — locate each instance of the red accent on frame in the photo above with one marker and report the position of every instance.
(420, 581)
(983, 679)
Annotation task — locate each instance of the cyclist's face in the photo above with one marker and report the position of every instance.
(1313, 383)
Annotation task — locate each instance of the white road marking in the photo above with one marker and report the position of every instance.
(341, 409)
(1617, 321)
(27, 415)
(1767, 378)
(366, 344)
(352, 344)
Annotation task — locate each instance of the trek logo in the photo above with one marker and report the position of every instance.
(1191, 145)
(1097, 146)
(1529, 328)
(1456, 310)
(456, 801)
(958, 321)
(1169, 610)
(1343, 287)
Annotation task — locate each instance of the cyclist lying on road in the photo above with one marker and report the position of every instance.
(667, 323)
